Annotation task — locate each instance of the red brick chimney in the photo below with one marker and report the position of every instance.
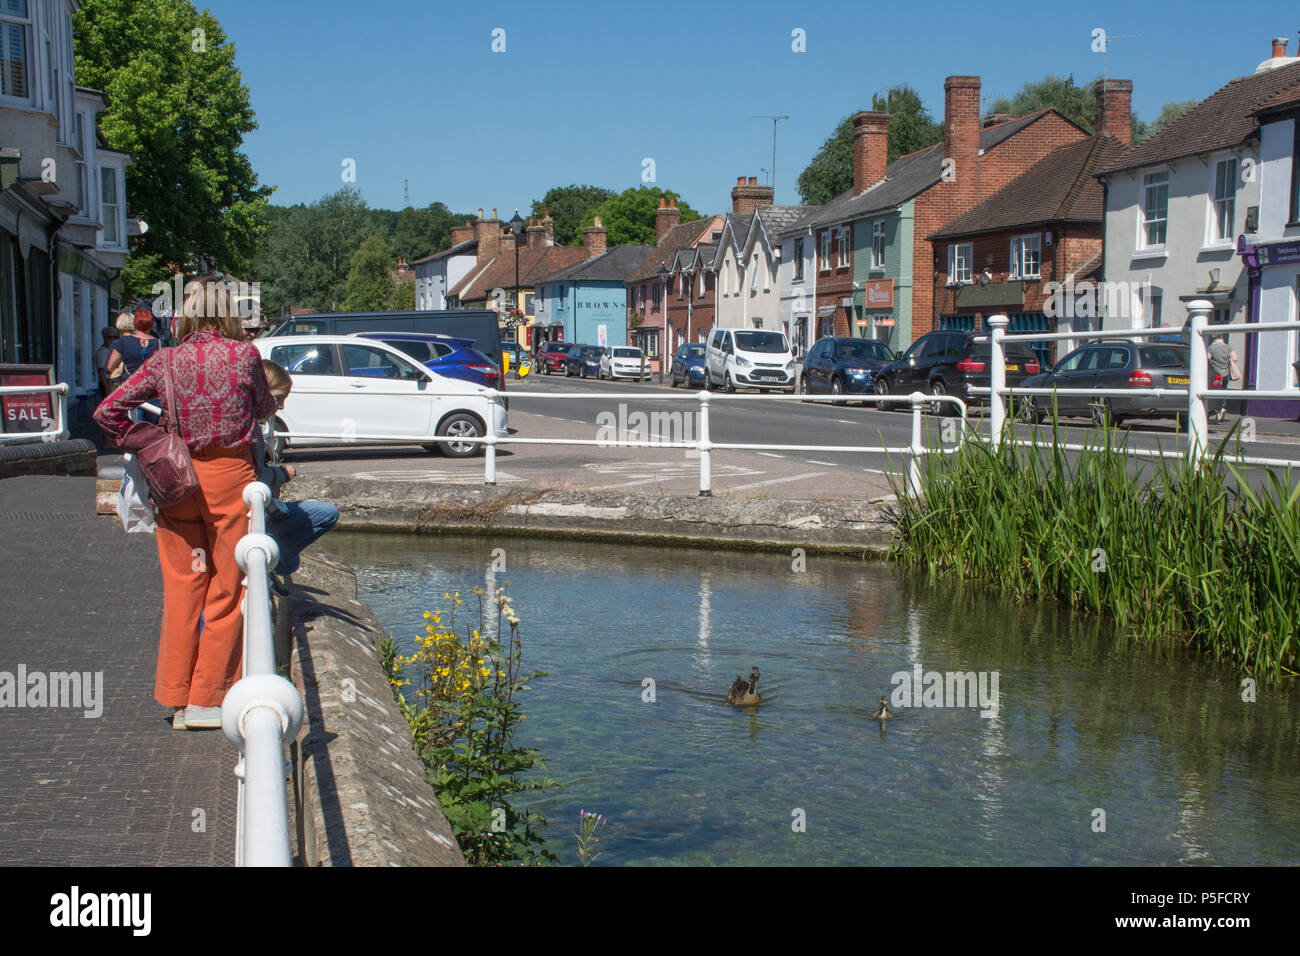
(536, 234)
(593, 238)
(870, 149)
(507, 242)
(461, 234)
(1114, 115)
(745, 196)
(488, 234)
(666, 216)
(961, 138)
(1279, 47)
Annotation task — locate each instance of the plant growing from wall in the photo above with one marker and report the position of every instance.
(463, 712)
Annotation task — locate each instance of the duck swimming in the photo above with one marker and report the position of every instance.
(883, 712)
(743, 694)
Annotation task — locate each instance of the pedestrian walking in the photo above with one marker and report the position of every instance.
(106, 384)
(293, 524)
(1222, 359)
(221, 393)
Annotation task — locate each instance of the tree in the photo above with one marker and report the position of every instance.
(830, 171)
(370, 280)
(1170, 112)
(630, 216)
(1075, 103)
(569, 206)
(179, 105)
(422, 232)
(403, 298)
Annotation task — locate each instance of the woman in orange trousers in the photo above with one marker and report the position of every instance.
(221, 392)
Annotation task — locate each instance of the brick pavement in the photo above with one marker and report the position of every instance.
(78, 593)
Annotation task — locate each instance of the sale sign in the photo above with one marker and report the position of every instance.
(26, 411)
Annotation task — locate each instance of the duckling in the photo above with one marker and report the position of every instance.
(743, 694)
(883, 712)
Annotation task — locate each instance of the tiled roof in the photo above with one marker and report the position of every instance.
(1090, 267)
(906, 177)
(776, 219)
(1060, 187)
(688, 257)
(500, 271)
(614, 265)
(1286, 99)
(469, 246)
(1224, 120)
(680, 236)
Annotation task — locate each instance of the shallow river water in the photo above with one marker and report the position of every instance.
(1097, 754)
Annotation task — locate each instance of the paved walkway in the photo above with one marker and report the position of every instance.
(122, 788)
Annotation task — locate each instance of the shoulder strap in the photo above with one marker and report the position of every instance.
(173, 422)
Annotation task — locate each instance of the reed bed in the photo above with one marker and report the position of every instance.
(1174, 554)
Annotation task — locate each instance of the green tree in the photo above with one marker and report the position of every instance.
(630, 216)
(422, 232)
(830, 171)
(403, 298)
(370, 280)
(1076, 103)
(305, 258)
(1170, 112)
(569, 206)
(179, 105)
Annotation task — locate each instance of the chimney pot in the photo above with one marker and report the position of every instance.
(662, 204)
(1279, 47)
(740, 180)
(753, 180)
(666, 216)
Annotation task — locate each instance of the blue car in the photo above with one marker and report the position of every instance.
(455, 358)
(688, 366)
(584, 360)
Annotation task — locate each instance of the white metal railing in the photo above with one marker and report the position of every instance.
(1196, 392)
(703, 444)
(263, 710)
(52, 429)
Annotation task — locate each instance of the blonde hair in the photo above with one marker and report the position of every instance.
(208, 305)
(125, 323)
(276, 375)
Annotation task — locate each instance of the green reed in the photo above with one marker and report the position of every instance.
(1174, 554)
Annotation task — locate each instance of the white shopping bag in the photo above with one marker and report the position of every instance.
(133, 504)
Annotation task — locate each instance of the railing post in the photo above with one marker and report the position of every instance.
(706, 477)
(997, 377)
(1198, 314)
(490, 456)
(917, 449)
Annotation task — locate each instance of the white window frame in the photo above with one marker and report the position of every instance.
(1221, 203)
(956, 260)
(878, 244)
(843, 254)
(118, 208)
(824, 251)
(1018, 247)
(753, 276)
(1152, 181)
(30, 61)
(798, 261)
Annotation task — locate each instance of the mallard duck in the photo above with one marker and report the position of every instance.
(744, 694)
(883, 712)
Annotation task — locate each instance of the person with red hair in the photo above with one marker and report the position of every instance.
(134, 348)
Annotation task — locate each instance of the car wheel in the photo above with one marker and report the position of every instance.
(1101, 414)
(275, 445)
(803, 385)
(837, 388)
(881, 387)
(461, 425)
(1029, 411)
(729, 385)
(939, 387)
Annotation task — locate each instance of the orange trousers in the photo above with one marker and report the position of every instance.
(196, 548)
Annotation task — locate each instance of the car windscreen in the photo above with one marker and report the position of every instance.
(761, 342)
(695, 351)
(560, 347)
(1164, 356)
(627, 353)
(862, 351)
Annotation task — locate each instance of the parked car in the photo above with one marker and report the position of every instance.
(480, 326)
(623, 361)
(456, 358)
(688, 366)
(946, 362)
(1115, 364)
(369, 392)
(552, 356)
(843, 366)
(751, 358)
(583, 360)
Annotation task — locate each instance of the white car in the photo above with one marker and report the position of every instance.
(367, 392)
(751, 358)
(622, 361)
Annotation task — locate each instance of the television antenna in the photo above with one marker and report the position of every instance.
(1105, 49)
(406, 193)
(771, 173)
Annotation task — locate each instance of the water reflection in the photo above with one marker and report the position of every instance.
(1186, 771)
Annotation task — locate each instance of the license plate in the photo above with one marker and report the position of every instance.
(1178, 380)
(1013, 368)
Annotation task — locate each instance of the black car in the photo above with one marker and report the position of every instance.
(843, 366)
(688, 365)
(1115, 364)
(945, 362)
(583, 360)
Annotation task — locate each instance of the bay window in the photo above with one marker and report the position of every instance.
(15, 49)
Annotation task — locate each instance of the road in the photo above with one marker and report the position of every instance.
(635, 410)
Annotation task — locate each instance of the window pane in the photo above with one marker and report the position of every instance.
(13, 56)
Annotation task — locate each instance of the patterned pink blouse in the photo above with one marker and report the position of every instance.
(221, 391)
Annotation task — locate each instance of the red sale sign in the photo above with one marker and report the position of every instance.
(26, 411)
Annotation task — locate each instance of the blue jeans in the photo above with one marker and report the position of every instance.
(293, 529)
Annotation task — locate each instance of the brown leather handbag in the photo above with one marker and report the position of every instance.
(162, 454)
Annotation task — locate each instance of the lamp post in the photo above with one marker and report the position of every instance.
(663, 306)
(517, 228)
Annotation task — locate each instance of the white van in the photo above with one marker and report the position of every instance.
(749, 358)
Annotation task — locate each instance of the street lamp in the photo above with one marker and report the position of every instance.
(663, 305)
(517, 227)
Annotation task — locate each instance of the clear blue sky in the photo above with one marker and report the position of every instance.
(585, 91)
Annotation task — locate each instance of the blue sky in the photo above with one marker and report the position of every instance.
(585, 92)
